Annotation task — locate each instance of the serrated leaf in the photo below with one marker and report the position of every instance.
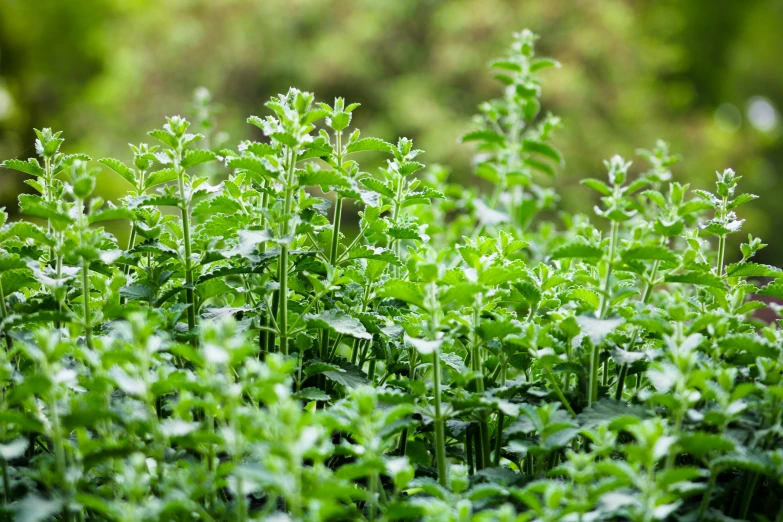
(110, 214)
(368, 144)
(127, 173)
(197, 157)
(587, 296)
(323, 178)
(378, 186)
(17, 279)
(597, 185)
(378, 253)
(409, 231)
(164, 137)
(696, 278)
(750, 269)
(30, 167)
(774, 289)
(159, 177)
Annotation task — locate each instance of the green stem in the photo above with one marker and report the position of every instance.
(188, 263)
(499, 438)
(469, 450)
(721, 254)
(705, 501)
(4, 309)
(592, 396)
(559, 392)
(86, 297)
(440, 432)
(282, 320)
(605, 297)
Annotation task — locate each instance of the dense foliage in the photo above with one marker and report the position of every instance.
(462, 356)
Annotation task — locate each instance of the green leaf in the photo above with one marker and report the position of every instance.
(164, 137)
(197, 157)
(369, 144)
(349, 375)
(540, 166)
(699, 443)
(538, 64)
(110, 214)
(378, 186)
(338, 322)
(750, 269)
(587, 296)
(407, 231)
(30, 166)
(578, 250)
(323, 178)
(311, 394)
(127, 173)
(17, 279)
(598, 185)
(485, 136)
(696, 278)
(159, 177)
(402, 290)
(774, 289)
(26, 230)
(137, 292)
(378, 253)
(542, 149)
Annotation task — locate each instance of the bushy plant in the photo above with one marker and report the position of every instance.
(459, 357)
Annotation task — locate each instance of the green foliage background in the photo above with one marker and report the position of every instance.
(685, 71)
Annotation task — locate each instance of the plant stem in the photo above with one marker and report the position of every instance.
(440, 434)
(4, 309)
(282, 319)
(86, 297)
(186, 239)
(605, 298)
(592, 396)
(559, 392)
(705, 502)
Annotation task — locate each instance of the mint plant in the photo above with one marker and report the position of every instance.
(460, 356)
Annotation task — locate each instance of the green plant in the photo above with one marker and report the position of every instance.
(457, 358)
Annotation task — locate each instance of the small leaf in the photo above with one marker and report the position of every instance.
(542, 149)
(197, 157)
(485, 136)
(127, 173)
(368, 144)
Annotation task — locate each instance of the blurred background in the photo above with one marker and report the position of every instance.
(705, 75)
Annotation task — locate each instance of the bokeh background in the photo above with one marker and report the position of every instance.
(705, 75)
